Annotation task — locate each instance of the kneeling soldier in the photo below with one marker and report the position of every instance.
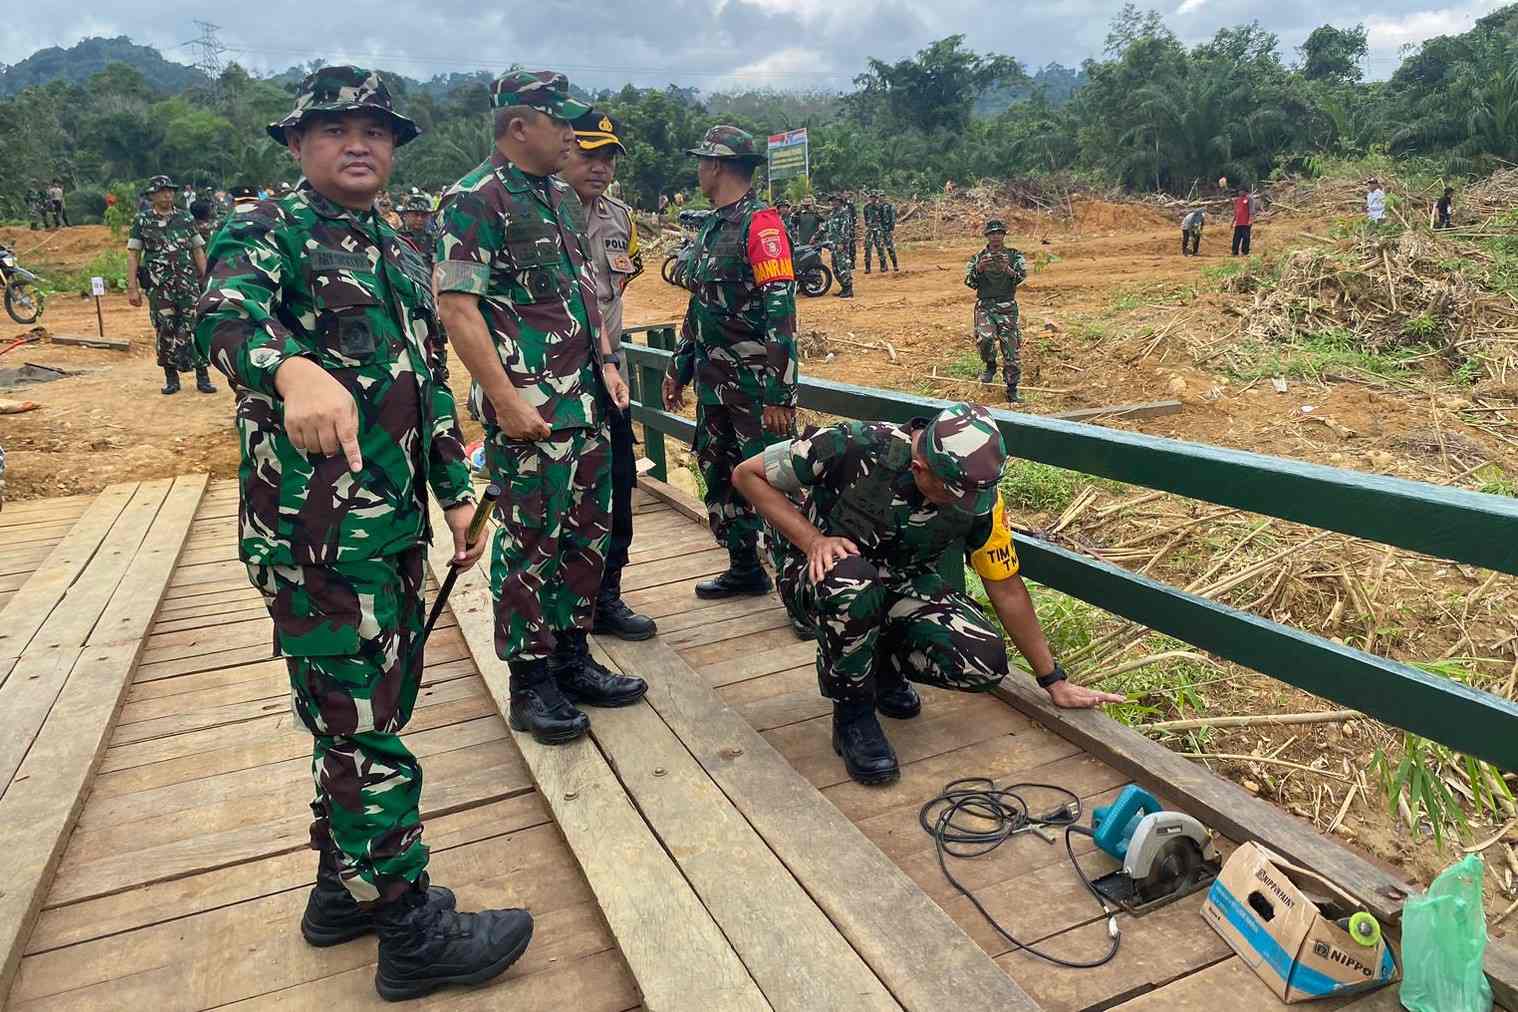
(880, 505)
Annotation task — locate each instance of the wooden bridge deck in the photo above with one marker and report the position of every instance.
(702, 850)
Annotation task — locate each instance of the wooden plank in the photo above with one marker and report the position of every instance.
(108, 343)
(40, 594)
(675, 950)
(26, 698)
(31, 510)
(1458, 715)
(750, 657)
(45, 796)
(685, 567)
(916, 950)
(1151, 409)
(1218, 803)
(795, 955)
(130, 611)
(1230, 983)
(689, 505)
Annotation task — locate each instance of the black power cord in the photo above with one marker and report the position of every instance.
(979, 798)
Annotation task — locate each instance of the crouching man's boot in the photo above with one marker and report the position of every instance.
(203, 380)
(745, 577)
(897, 699)
(538, 706)
(857, 736)
(333, 916)
(584, 680)
(615, 618)
(423, 946)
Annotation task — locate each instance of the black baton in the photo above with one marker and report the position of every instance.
(476, 528)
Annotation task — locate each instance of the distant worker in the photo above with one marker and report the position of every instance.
(417, 226)
(861, 562)
(167, 256)
(887, 229)
(807, 222)
(855, 230)
(840, 234)
(55, 205)
(873, 240)
(1244, 209)
(1191, 232)
(1375, 202)
(994, 273)
(738, 345)
(36, 205)
(1444, 210)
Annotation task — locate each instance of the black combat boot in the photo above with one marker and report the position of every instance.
(423, 947)
(1012, 397)
(538, 706)
(804, 630)
(857, 737)
(615, 618)
(989, 375)
(744, 577)
(846, 292)
(898, 700)
(203, 380)
(585, 680)
(170, 381)
(894, 265)
(333, 916)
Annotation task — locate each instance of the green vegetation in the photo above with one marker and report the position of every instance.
(1034, 487)
(1437, 784)
(1326, 354)
(110, 264)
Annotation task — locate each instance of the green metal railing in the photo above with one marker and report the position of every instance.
(1468, 527)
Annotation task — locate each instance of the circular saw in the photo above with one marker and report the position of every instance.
(1165, 854)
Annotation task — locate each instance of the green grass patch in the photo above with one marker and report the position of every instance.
(1327, 353)
(967, 366)
(110, 264)
(1031, 486)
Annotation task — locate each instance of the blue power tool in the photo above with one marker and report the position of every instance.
(1165, 855)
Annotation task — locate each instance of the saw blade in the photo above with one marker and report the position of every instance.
(1175, 866)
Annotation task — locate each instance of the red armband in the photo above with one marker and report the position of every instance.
(769, 251)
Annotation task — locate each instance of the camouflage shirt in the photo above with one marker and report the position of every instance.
(839, 227)
(516, 241)
(302, 276)
(166, 249)
(887, 215)
(872, 216)
(855, 481)
(996, 285)
(423, 243)
(738, 341)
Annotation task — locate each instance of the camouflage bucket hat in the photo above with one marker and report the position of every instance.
(345, 89)
(728, 142)
(159, 183)
(544, 90)
(995, 225)
(415, 202)
(963, 446)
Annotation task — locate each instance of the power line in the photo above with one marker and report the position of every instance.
(209, 50)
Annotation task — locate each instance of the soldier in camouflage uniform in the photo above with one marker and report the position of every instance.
(323, 320)
(994, 273)
(880, 506)
(417, 228)
(855, 232)
(887, 230)
(738, 343)
(808, 223)
(874, 236)
(166, 255)
(519, 301)
(839, 230)
(36, 205)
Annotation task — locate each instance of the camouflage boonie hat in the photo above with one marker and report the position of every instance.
(729, 143)
(994, 225)
(159, 183)
(415, 202)
(345, 89)
(963, 446)
(544, 90)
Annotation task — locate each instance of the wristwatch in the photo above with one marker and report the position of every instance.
(1057, 675)
(615, 358)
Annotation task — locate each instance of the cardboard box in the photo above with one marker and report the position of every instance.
(1281, 920)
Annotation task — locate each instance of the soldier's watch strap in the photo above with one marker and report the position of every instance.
(615, 358)
(1057, 675)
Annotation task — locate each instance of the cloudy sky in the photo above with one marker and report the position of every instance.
(711, 44)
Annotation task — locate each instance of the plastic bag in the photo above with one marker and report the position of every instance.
(1443, 940)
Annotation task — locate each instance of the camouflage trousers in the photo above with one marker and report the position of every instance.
(172, 311)
(996, 324)
(879, 240)
(346, 631)
(726, 436)
(874, 634)
(843, 264)
(550, 549)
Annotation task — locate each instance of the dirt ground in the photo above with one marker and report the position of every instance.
(1111, 313)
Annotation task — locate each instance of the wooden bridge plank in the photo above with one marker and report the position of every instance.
(675, 950)
(919, 953)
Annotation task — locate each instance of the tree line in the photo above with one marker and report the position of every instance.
(1151, 113)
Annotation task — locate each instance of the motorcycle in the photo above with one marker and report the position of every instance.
(812, 276)
(23, 294)
(690, 222)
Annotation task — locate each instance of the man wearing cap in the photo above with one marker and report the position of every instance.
(324, 321)
(839, 231)
(516, 282)
(416, 226)
(167, 256)
(994, 273)
(613, 239)
(880, 505)
(887, 229)
(738, 343)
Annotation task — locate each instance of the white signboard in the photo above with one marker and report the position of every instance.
(97, 287)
